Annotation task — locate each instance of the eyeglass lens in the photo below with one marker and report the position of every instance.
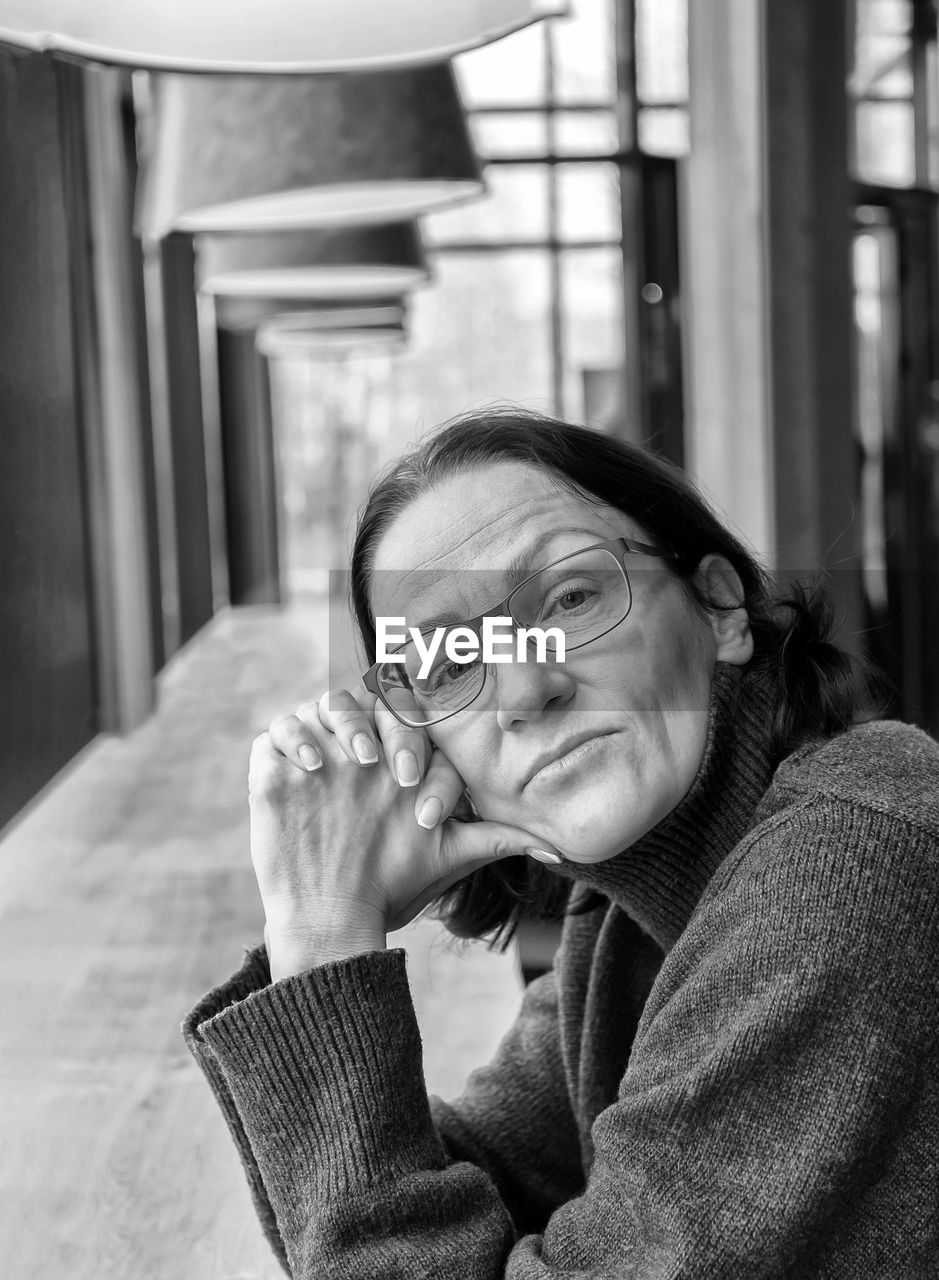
(584, 596)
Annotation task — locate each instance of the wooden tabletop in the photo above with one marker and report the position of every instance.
(125, 893)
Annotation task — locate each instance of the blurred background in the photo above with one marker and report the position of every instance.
(244, 262)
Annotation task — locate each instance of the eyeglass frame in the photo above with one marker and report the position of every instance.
(617, 547)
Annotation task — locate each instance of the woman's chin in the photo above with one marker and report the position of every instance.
(582, 847)
(587, 854)
(599, 842)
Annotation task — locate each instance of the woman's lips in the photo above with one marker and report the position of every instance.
(570, 760)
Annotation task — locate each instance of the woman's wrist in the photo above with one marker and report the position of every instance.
(293, 951)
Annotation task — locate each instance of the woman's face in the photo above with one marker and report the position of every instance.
(635, 701)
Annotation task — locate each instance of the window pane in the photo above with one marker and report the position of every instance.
(584, 52)
(877, 357)
(510, 70)
(663, 131)
(932, 115)
(593, 340)
(882, 53)
(320, 411)
(585, 132)
(883, 17)
(589, 202)
(884, 68)
(510, 134)
(885, 147)
(515, 209)
(479, 334)
(662, 51)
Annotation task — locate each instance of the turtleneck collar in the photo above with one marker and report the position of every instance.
(659, 880)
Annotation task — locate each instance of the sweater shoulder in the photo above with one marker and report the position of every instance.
(883, 766)
(849, 831)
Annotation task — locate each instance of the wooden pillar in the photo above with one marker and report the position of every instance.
(766, 226)
(177, 404)
(48, 651)
(251, 491)
(114, 389)
(207, 322)
(728, 444)
(632, 426)
(808, 232)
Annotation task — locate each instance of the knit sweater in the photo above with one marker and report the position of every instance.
(731, 1071)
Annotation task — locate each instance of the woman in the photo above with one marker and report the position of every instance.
(731, 1070)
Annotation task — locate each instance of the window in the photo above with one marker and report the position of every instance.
(894, 86)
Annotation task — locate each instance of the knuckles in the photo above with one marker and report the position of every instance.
(287, 729)
(271, 776)
(339, 702)
(502, 847)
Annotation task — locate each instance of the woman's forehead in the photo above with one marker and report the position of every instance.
(478, 524)
(486, 515)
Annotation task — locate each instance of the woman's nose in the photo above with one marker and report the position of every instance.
(525, 690)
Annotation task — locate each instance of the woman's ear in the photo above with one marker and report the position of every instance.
(719, 584)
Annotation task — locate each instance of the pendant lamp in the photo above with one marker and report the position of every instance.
(277, 36)
(338, 262)
(248, 313)
(240, 153)
(275, 341)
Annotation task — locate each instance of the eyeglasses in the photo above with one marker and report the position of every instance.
(585, 595)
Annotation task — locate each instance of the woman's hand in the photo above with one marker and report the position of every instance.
(351, 833)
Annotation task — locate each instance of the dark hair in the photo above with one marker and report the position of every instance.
(817, 685)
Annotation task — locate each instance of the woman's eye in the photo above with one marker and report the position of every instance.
(451, 671)
(568, 601)
(571, 599)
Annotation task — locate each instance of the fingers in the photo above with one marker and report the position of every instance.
(311, 734)
(407, 750)
(293, 737)
(360, 724)
(361, 727)
(473, 844)
(440, 792)
(349, 722)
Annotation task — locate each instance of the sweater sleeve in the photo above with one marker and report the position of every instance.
(513, 1120)
(253, 974)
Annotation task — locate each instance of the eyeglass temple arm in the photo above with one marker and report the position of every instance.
(643, 548)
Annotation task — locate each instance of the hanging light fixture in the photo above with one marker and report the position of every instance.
(338, 262)
(237, 153)
(276, 341)
(238, 314)
(280, 36)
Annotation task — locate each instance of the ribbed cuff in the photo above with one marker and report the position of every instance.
(326, 1070)
(253, 974)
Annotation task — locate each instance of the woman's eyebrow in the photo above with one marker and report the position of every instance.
(519, 567)
(517, 570)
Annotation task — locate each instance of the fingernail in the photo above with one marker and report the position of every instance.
(308, 758)
(406, 768)
(542, 855)
(430, 813)
(364, 749)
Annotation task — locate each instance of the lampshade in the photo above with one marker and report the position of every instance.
(249, 313)
(279, 36)
(339, 262)
(240, 153)
(274, 341)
